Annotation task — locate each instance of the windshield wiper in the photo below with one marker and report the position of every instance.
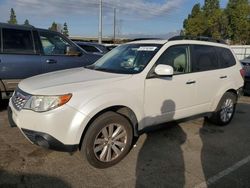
(92, 67)
(102, 69)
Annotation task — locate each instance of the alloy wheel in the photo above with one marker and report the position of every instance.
(227, 110)
(110, 142)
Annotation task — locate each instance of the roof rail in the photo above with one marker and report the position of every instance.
(137, 39)
(201, 38)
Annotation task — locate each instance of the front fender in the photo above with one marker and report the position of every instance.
(104, 101)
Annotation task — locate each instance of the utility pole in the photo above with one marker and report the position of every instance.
(114, 23)
(100, 23)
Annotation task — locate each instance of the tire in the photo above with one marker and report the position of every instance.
(225, 110)
(98, 144)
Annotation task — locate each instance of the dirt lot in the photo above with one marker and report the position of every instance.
(190, 154)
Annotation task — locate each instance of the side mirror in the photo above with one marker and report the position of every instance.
(164, 70)
(72, 51)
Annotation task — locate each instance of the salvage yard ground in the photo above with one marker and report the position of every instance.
(189, 154)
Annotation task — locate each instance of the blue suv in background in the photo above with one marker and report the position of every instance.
(26, 51)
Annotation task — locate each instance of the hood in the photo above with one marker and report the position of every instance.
(79, 77)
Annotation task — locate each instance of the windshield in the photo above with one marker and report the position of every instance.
(127, 59)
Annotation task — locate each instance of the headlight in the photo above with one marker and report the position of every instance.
(46, 103)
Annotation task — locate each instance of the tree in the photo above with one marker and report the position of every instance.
(238, 13)
(213, 13)
(26, 22)
(232, 23)
(12, 19)
(53, 27)
(65, 30)
(210, 6)
(194, 25)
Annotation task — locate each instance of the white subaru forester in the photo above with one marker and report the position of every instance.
(99, 109)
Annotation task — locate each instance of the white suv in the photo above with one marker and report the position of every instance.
(99, 109)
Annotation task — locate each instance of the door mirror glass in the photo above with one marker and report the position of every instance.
(164, 70)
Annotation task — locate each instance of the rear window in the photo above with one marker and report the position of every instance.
(17, 41)
(226, 57)
(204, 58)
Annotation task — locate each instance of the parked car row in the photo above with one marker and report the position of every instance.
(26, 51)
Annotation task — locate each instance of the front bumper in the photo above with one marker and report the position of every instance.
(59, 129)
(47, 141)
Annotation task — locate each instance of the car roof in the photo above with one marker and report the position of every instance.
(16, 26)
(23, 27)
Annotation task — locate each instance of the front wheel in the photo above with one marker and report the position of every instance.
(108, 140)
(225, 110)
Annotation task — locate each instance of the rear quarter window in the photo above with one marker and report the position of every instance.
(204, 58)
(226, 57)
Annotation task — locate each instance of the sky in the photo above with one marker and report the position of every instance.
(134, 17)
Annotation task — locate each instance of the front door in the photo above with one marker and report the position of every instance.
(169, 98)
(56, 55)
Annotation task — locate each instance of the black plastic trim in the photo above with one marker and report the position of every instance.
(10, 119)
(198, 38)
(47, 141)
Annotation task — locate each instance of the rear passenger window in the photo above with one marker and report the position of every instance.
(17, 41)
(226, 57)
(204, 58)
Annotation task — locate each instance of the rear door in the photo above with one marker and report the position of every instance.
(206, 71)
(19, 58)
(56, 55)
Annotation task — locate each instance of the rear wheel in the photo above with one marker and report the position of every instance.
(108, 140)
(225, 110)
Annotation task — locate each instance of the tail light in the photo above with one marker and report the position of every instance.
(243, 73)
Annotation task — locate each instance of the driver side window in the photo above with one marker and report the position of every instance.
(54, 44)
(178, 57)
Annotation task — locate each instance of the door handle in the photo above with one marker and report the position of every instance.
(51, 61)
(191, 82)
(223, 77)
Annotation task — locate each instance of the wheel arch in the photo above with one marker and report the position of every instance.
(125, 111)
(219, 96)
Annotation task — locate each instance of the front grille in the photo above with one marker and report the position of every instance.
(19, 99)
